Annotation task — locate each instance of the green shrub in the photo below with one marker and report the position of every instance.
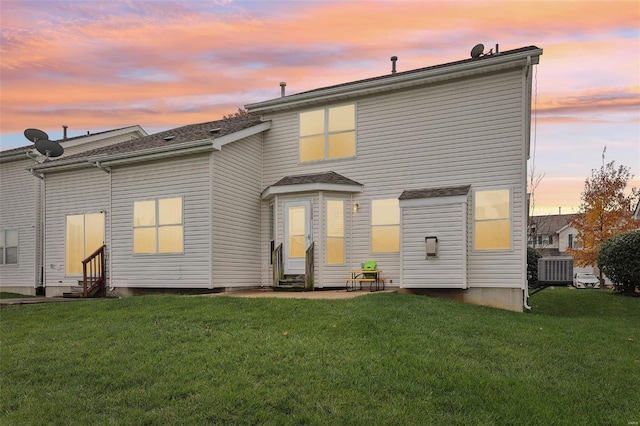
(619, 259)
(532, 266)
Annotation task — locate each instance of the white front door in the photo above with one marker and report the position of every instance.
(297, 235)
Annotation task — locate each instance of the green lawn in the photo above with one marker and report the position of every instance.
(9, 295)
(380, 359)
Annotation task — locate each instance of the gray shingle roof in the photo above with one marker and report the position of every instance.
(550, 224)
(391, 77)
(7, 152)
(448, 191)
(179, 135)
(324, 177)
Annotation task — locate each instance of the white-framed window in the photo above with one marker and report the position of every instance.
(327, 133)
(385, 225)
(570, 242)
(335, 232)
(158, 226)
(84, 234)
(8, 247)
(492, 220)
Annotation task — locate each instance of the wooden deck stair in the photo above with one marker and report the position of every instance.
(93, 283)
(291, 283)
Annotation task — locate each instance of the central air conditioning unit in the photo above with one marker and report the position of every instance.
(555, 270)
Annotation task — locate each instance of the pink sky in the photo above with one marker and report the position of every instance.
(96, 65)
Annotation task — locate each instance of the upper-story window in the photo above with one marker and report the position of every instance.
(328, 133)
(492, 217)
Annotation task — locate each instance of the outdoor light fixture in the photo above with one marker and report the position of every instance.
(356, 207)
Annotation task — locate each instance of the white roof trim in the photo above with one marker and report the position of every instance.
(83, 139)
(433, 201)
(244, 133)
(192, 147)
(430, 75)
(309, 187)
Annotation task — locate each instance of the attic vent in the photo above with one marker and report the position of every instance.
(169, 138)
(214, 131)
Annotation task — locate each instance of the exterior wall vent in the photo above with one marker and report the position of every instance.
(555, 270)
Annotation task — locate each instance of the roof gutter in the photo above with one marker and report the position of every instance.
(101, 167)
(401, 80)
(38, 175)
(14, 156)
(128, 157)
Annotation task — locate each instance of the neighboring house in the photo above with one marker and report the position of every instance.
(329, 178)
(552, 235)
(21, 224)
(636, 214)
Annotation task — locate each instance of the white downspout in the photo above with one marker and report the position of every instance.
(525, 302)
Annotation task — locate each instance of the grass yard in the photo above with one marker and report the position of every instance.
(9, 295)
(380, 359)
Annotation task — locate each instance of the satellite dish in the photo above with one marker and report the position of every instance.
(477, 50)
(49, 149)
(34, 135)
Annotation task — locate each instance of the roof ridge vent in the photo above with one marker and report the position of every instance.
(169, 138)
(214, 131)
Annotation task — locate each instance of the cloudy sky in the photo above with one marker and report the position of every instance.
(98, 65)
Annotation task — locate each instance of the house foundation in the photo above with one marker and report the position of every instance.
(502, 298)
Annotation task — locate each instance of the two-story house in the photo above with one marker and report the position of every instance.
(22, 219)
(329, 178)
(552, 235)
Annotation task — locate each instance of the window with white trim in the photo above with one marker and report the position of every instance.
(385, 225)
(158, 226)
(8, 247)
(327, 133)
(335, 232)
(492, 220)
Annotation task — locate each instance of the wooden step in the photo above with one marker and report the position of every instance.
(291, 283)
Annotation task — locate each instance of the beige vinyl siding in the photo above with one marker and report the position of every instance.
(186, 177)
(19, 202)
(460, 132)
(446, 222)
(235, 207)
(70, 193)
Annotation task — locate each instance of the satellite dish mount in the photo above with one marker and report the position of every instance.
(49, 149)
(478, 51)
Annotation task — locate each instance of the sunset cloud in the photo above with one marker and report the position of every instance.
(104, 64)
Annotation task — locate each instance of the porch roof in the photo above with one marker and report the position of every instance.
(323, 181)
(448, 191)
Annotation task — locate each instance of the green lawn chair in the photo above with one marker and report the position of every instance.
(369, 265)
